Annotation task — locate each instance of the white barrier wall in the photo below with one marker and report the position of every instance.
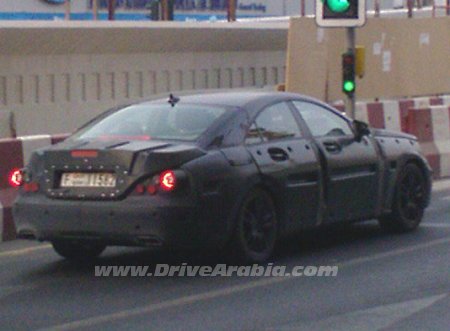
(56, 75)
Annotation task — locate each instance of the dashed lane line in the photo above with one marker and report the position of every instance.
(24, 251)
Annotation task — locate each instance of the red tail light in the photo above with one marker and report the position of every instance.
(15, 177)
(140, 189)
(84, 153)
(31, 187)
(167, 180)
(150, 189)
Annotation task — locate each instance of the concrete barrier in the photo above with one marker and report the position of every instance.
(432, 127)
(393, 114)
(425, 117)
(14, 154)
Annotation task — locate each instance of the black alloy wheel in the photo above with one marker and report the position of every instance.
(409, 201)
(256, 229)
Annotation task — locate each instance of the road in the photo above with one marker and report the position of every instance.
(385, 282)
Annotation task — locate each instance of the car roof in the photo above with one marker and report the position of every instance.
(239, 99)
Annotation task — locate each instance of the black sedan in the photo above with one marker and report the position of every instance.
(228, 170)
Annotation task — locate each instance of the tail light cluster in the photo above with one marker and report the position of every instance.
(18, 178)
(15, 178)
(166, 181)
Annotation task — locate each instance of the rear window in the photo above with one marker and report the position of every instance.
(153, 121)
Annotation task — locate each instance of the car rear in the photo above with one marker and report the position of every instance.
(119, 181)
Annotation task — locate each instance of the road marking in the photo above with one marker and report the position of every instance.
(441, 185)
(23, 251)
(174, 303)
(378, 318)
(8, 290)
(435, 225)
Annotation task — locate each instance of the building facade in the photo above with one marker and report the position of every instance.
(184, 9)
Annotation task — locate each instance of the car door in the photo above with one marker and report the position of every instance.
(352, 167)
(287, 162)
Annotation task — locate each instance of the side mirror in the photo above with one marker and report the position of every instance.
(361, 129)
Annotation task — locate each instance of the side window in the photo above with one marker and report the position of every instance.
(321, 121)
(275, 122)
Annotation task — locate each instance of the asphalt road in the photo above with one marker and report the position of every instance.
(384, 282)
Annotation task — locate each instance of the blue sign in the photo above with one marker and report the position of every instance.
(55, 2)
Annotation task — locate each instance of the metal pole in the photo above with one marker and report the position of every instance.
(111, 9)
(67, 10)
(302, 8)
(377, 8)
(95, 10)
(164, 10)
(448, 7)
(351, 44)
(231, 15)
(410, 4)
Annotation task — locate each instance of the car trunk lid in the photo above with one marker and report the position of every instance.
(107, 170)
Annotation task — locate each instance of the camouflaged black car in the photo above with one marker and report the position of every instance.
(235, 170)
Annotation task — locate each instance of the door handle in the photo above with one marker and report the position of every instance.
(278, 154)
(332, 146)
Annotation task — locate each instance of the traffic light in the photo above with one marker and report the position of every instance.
(348, 73)
(340, 13)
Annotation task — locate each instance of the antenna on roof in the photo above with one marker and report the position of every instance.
(173, 100)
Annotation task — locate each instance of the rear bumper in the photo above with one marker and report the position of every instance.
(135, 221)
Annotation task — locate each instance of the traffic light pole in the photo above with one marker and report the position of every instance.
(351, 44)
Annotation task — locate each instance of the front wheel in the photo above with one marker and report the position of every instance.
(78, 250)
(409, 201)
(256, 228)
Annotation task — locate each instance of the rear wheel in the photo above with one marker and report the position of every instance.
(78, 250)
(256, 229)
(409, 201)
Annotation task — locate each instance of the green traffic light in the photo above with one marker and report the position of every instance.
(349, 86)
(338, 6)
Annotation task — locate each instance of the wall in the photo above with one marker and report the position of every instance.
(405, 57)
(56, 75)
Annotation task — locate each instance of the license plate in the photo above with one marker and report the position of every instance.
(84, 179)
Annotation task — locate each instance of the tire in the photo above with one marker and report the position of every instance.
(256, 229)
(78, 250)
(409, 201)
